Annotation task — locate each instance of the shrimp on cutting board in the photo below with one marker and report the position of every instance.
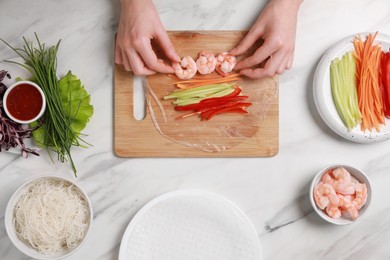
(186, 68)
(225, 64)
(206, 62)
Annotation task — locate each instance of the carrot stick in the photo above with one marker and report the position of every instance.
(206, 79)
(207, 83)
(367, 56)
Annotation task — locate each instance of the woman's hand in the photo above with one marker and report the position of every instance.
(140, 23)
(276, 25)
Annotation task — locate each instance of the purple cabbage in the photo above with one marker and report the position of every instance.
(12, 133)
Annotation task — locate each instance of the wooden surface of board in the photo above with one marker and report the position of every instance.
(140, 138)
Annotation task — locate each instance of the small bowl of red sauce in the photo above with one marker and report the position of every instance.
(24, 102)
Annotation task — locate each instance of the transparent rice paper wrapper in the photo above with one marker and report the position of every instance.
(223, 131)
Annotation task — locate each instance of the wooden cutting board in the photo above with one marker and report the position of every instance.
(140, 138)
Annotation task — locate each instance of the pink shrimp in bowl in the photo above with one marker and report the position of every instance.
(206, 62)
(340, 194)
(225, 64)
(186, 69)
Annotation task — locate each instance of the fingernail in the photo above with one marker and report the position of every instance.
(177, 57)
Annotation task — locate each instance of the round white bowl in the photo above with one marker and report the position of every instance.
(43, 108)
(359, 175)
(21, 245)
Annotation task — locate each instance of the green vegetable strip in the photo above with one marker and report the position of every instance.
(41, 62)
(189, 101)
(199, 91)
(343, 85)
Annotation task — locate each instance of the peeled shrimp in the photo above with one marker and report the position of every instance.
(324, 194)
(343, 187)
(327, 178)
(361, 195)
(206, 62)
(347, 206)
(333, 211)
(343, 181)
(186, 69)
(351, 194)
(341, 174)
(225, 63)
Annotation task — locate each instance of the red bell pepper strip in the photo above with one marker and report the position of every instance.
(215, 108)
(215, 103)
(207, 114)
(188, 115)
(385, 82)
(210, 114)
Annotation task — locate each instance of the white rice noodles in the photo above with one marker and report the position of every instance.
(52, 216)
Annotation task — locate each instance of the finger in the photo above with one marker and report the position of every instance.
(150, 58)
(167, 46)
(274, 63)
(252, 36)
(283, 66)
(258, 57)
(118, 55)
(290, 62)
(253, 73)
(137, 64)
(269, 69)
(125, 61)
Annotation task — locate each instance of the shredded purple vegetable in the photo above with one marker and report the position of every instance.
(12, 133)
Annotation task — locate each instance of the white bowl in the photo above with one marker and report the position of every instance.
(40, 112)
(359, 175)
(21, 245)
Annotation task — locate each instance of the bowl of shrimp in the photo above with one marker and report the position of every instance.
(340, 194)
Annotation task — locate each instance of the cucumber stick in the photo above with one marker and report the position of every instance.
(343, 85)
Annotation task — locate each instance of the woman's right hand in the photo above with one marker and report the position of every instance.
(140, 23)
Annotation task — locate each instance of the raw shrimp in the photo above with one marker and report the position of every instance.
(206, 62)
(324, 194)
(361, 195)
(186, 69)
(225, 63)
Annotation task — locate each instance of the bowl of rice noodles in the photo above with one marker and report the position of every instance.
(48, 217)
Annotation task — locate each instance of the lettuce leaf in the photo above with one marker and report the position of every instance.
(76, 102)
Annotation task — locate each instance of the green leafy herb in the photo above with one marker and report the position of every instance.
(76, 102)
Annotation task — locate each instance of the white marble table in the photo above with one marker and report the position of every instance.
(273, 192)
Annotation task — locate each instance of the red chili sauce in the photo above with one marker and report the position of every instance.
(24, 102)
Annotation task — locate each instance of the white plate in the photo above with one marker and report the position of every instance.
(189, 225)
(323, 95)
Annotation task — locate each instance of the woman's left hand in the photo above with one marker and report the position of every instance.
(276, 25)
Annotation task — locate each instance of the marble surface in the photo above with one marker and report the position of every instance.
(273, 192)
